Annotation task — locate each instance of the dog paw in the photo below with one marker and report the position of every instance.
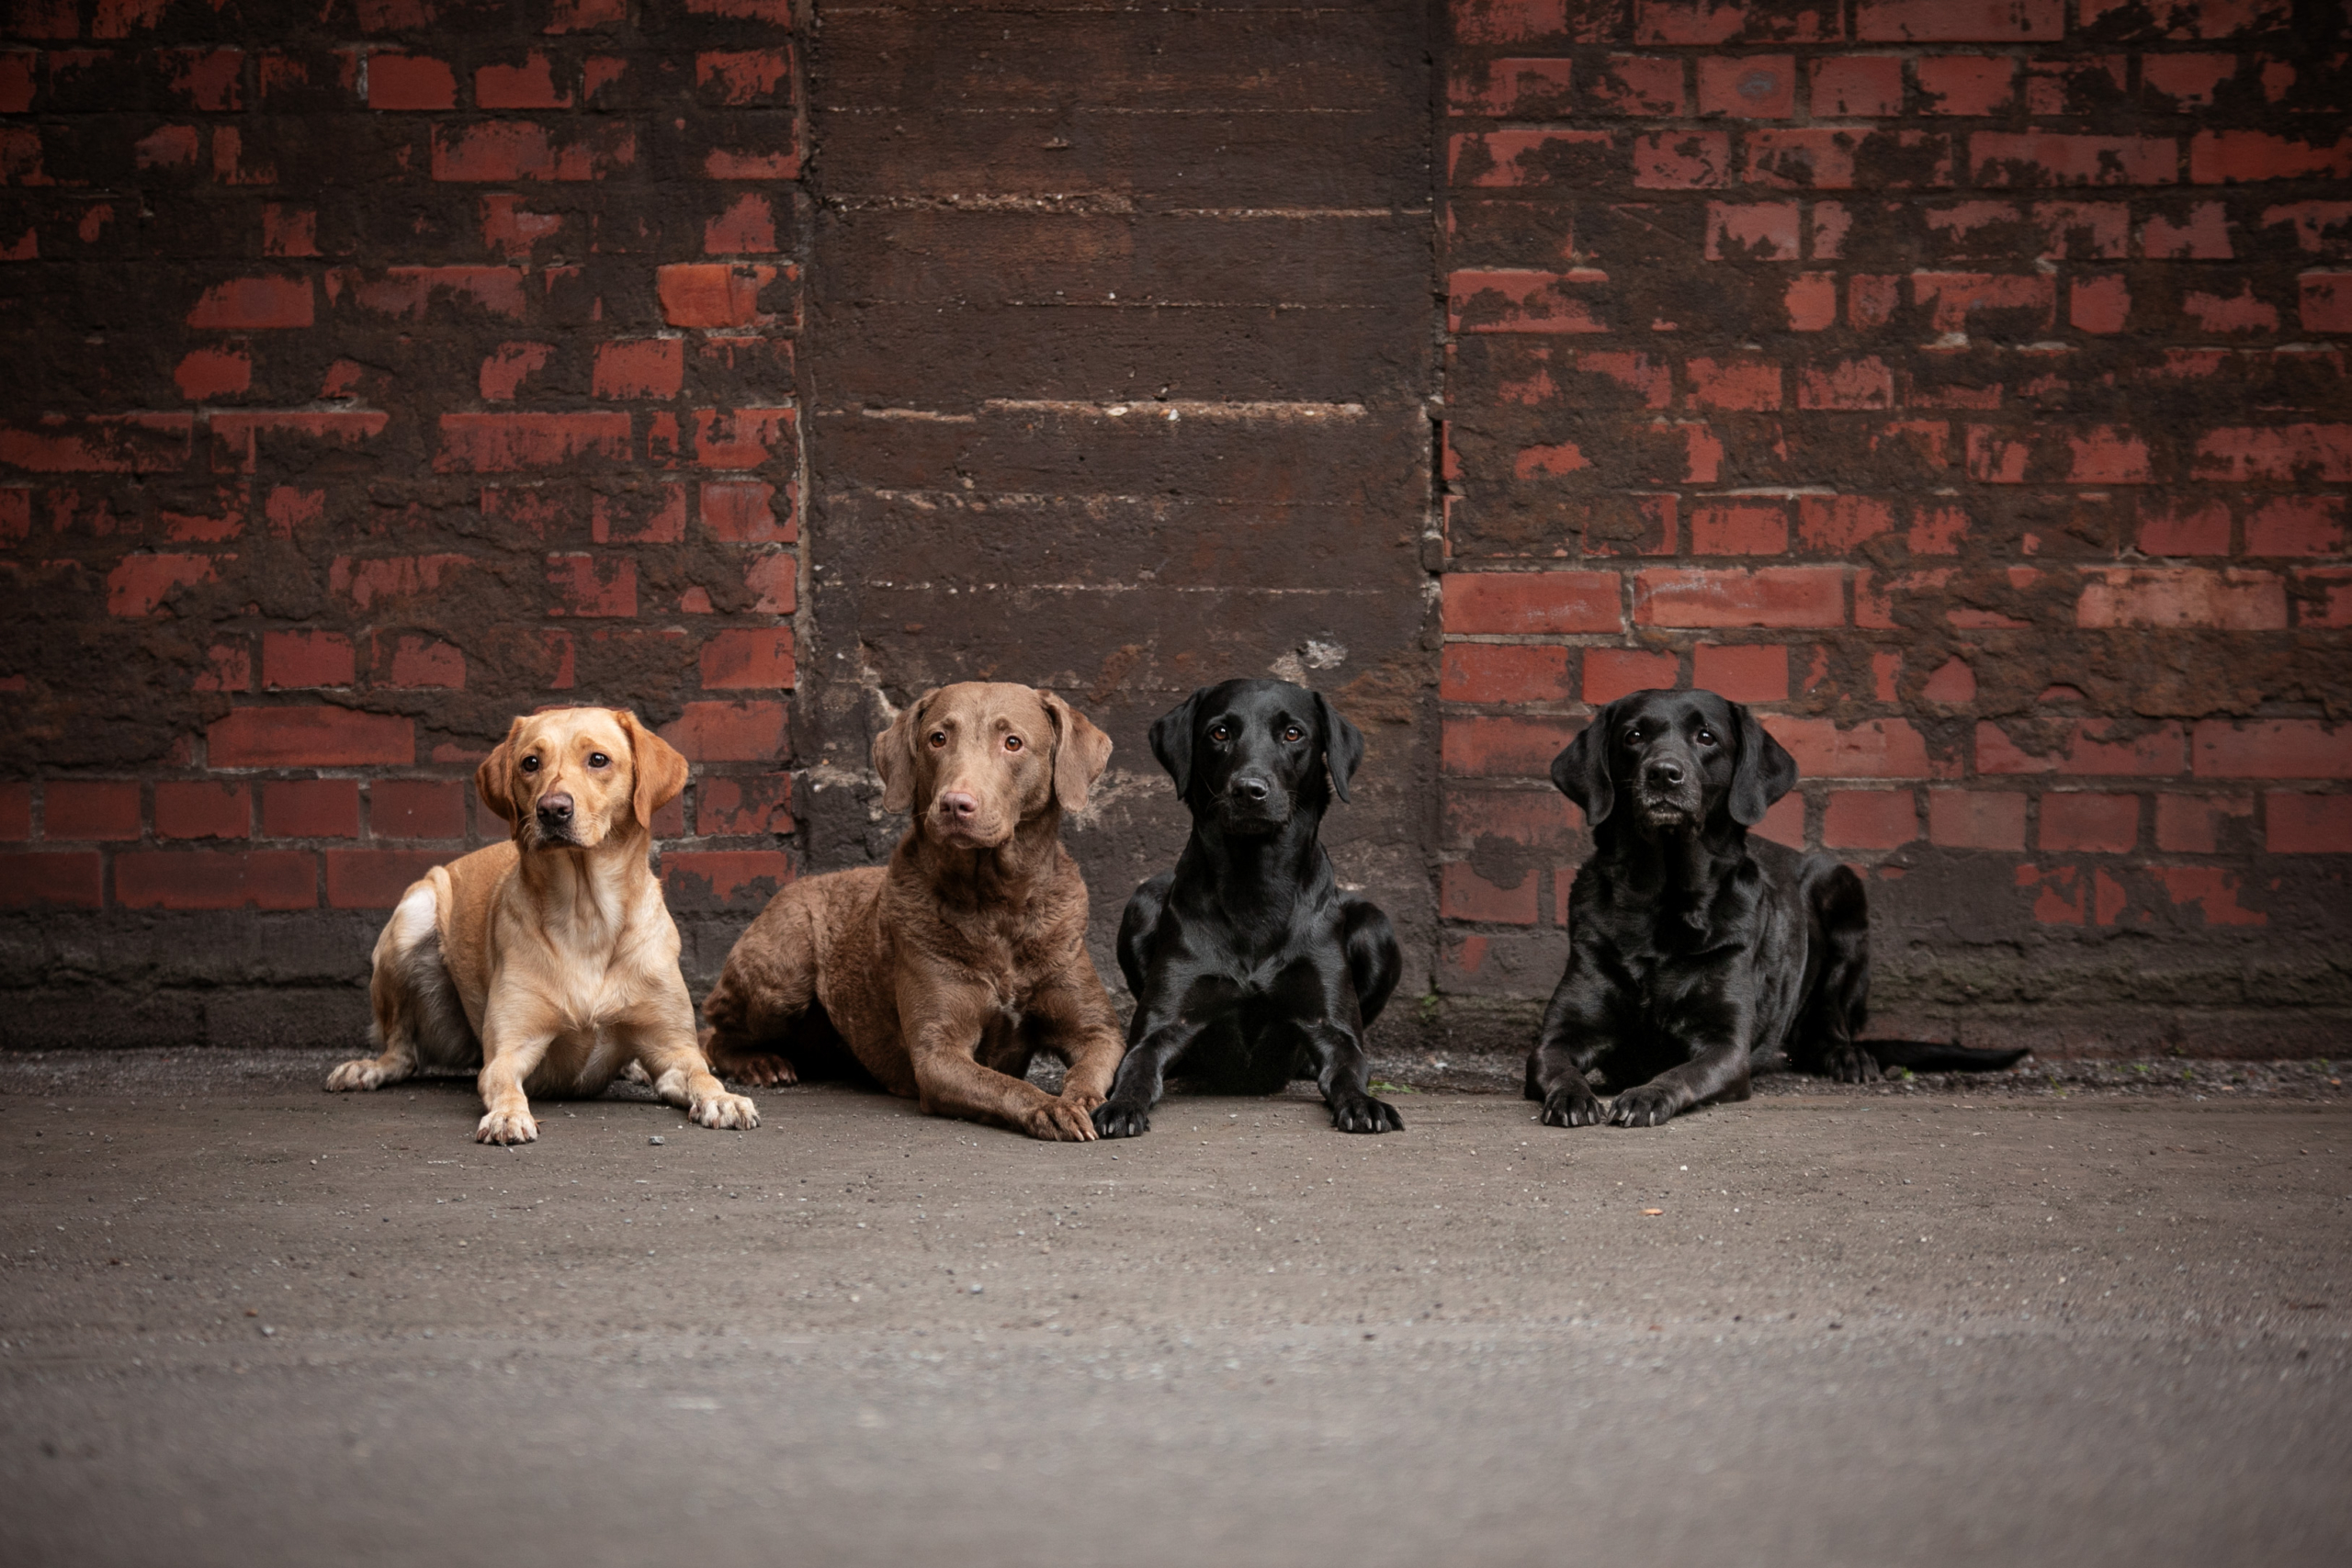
(1850, 1064)
(1366, 1115)
(1060, 1122)
(1578, 1106)
(1646, 1106)
(725, 1110)
(1114, 1118)
(635, 1073)
(762, 1071)
(507, 1127)
(361, 1072)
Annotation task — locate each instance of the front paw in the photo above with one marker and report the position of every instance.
(1365, 1114)
(1060, 1122)
(1645, 1106)
(762, 1071)
(1122, 1119)
(1850, 1063)
(1575, 1106)
(725, 1110)
(507, 1127)
(361, 1072)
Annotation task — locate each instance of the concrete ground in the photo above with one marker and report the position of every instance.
(245, 1322)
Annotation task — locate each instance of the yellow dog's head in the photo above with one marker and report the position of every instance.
(572, 778)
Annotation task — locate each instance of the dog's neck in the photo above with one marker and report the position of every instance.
(1005, 874)
(1260, 876)
(589, 889)
(1678, 868)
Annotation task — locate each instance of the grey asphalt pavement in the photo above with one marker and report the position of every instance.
(248, 1323)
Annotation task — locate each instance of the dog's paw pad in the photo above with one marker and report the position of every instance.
(725, 1110)
(507, 1127)
(359, 1073)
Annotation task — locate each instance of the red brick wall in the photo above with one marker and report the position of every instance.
(1961, 382)
(380, 371)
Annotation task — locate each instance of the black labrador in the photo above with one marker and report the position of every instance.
(1694, 949)
(1248, 966)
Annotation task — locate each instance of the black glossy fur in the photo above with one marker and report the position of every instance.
(1250, 967)
(1693, 950)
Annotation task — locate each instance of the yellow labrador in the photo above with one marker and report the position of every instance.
(550, 960)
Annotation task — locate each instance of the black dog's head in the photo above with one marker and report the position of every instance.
(1674, 762)
(1249, 754)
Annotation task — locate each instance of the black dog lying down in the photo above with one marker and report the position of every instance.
(1250, 967)
(1694, 949)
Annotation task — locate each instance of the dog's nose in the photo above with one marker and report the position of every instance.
(1665, 773)
(958, 805)
(555, 807)
(1252, 788)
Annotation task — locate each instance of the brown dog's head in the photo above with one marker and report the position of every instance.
(975, 761)
(572, 778)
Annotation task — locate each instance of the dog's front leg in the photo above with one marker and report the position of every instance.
(682, 1076)
(511, 1052)
(1143, 1074)
(1077, 1024)
(1343, 1072)
(1719, 1072)
(1575, 1031)
(943, 1025)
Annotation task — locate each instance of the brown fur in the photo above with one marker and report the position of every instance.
(548, 961)
(945, 971)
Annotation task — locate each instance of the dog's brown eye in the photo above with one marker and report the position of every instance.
(1294, 733)
(1220, 734)
(938, 739)
(530, 764)
(598, 760)
(1706, 738)
(1012, 743)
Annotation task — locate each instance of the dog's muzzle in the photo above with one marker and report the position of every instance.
(553, 817)
(1667, 791)
(1252, 803)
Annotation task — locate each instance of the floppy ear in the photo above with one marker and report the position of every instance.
(1081, 752)
(659, 767)
(1171, 741)
(1343, 745)
(1765, 771)
(894, 755)
(494, 780)
(1581, 772)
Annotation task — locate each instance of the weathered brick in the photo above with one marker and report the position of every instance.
(740, 881)
(66, 879)
(417, 808)
(1463, 895)
(203, 808)
(2233, 600)
(1522, 603)
(2060, 158)
(255, 304)
(2109, 823)
(740, 806)
(1965, 84)
(2194, 824)
(309, 738)
(1870, 820)
(2271, 748)
(2232, 157)
(1481, 746)
(1875, 748)
(2306, 824)
(1766, 596)
(310, 808)
(511, 442)
(530, 85)
(745, 731)
(585, 584)
(1976, 820)
(16, 813)
(1959, 21)
(744, 659)
(706, 294)
(1858, 86)
(79, 809)
(216, 879)
(1740, 528)
(398, 81)
(1503, 673)
(375, 879)
(1745, 672)
(641, 367)
(744, 511)
(297, 659)
(1747, 86)
(1612, 672)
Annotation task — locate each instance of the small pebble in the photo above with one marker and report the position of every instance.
(653, 1140)
(974, 1289)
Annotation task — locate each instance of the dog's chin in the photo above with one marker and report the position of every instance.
(968, 835)
(1663, 817)
(1250, 821)
(538, 838)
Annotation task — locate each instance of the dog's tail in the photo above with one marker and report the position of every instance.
(1941, 1056)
